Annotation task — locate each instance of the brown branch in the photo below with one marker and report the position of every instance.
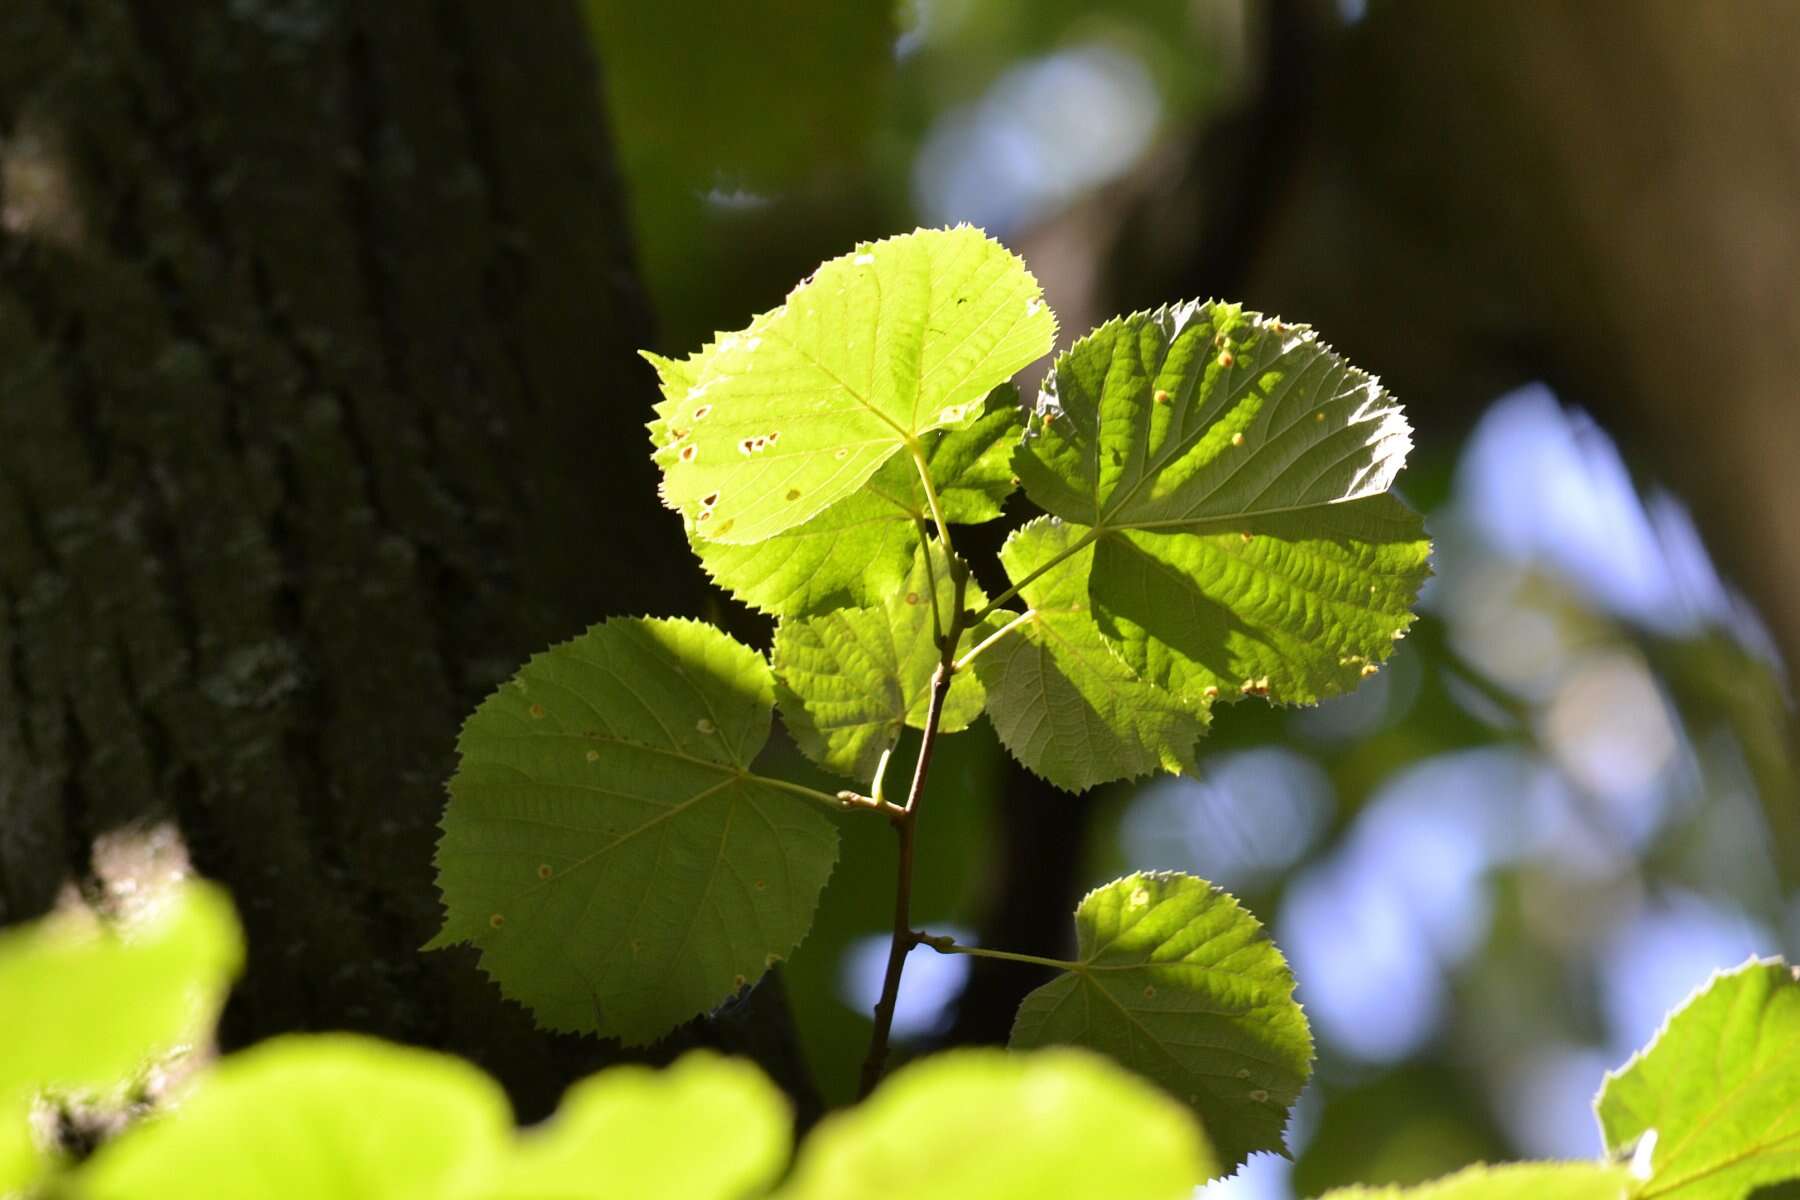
(904, 939)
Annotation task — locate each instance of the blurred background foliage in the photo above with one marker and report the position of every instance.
(1571, 796)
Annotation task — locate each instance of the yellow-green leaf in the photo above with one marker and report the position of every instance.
(989, 1125)
(766, 428)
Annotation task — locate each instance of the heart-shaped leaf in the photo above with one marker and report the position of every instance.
(607, 847)
(1176, 981)
(764, 429)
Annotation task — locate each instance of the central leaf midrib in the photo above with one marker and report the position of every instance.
(666, 814)
(731, 768)
(855, 395)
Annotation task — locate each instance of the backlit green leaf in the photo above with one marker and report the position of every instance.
(1176, 981)
(986, 1125)
(19, 1158)
(306, 1117)
(300, 1118)
(605, 845)
(82, 1005)
(1719, 1088)
(1232, 475)
(1514, 1181)
(85, 1006)
(765, 428)
(850, 680)
(857, 553)
(708, 1128)
(1062, 701)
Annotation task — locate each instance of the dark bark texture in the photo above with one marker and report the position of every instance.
(318, 414)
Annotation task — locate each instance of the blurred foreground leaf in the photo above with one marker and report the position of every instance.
(1516, 1181)
(988, 1125)
(83, 1006)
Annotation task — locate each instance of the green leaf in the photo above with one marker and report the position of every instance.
(764, 429)
(84, 1006)
(1062, 701)
(1719, 1087)
(849, 681)
(605, 845)
(1176, 981)
(708, 1128)
(304, 1117)
(1514, 1181)
(858, 552)
(1232, 474)
(19, 1158)
(986, 1125)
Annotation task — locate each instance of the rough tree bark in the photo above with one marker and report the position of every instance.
(318, 413)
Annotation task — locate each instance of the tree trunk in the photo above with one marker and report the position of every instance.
(318, 414)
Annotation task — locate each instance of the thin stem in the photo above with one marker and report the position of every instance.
(905, 823)
(943, 946)
(937, 618)
(1052, 563)
(931, 496)
(839, 800)
(963, 662)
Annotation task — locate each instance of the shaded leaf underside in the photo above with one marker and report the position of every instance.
(1062, 701)
(1182, 985)
(605, 845)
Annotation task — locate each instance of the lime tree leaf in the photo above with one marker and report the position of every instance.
(1719, 1087)
(84, 1006)
(303, 1117)
(1295, 607)
(858, 552)
(19, 1158)
(987, 1125)
(765, 428)
(1062, 701)
(606, 846)
(849, 681)
(1514, 1181)
(1176, 981)
(708, 1128)
(1232, 473)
